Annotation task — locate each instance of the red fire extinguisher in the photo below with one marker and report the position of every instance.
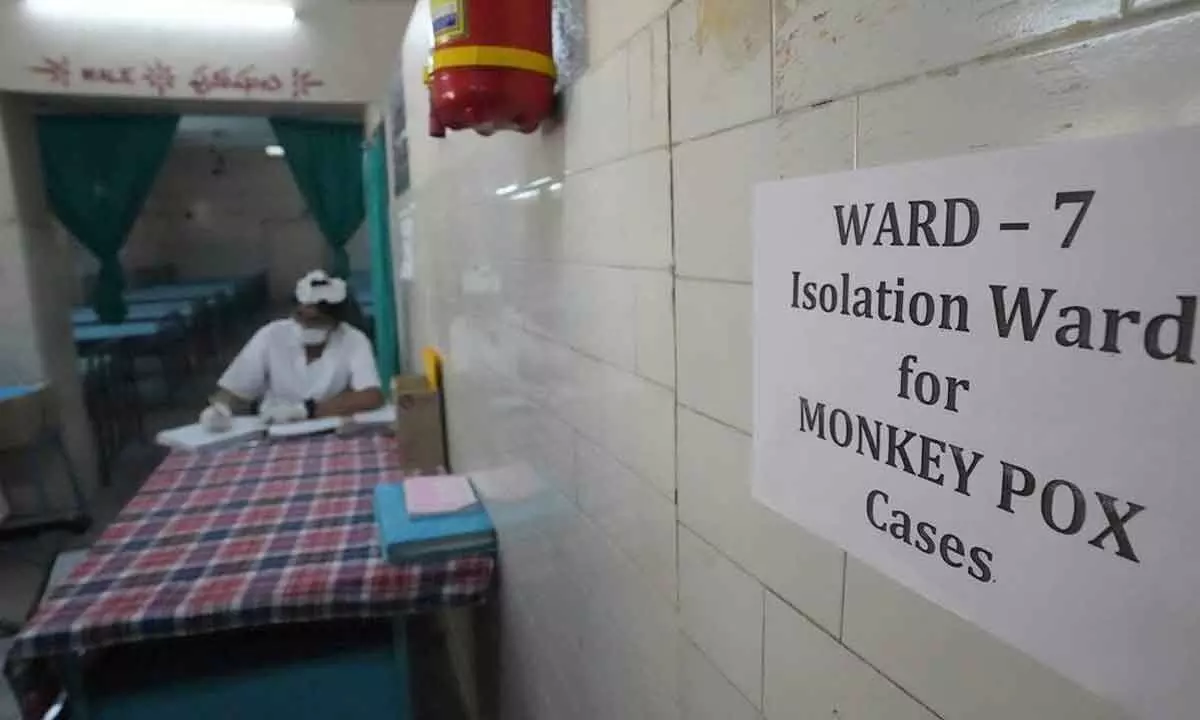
(492, 66)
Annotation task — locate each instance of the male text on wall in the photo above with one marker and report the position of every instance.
(979, 376)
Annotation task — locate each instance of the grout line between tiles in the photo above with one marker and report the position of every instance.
(717, 420)
(707, 658)
(578, 351)
(856, 654)
(674, 303)
(763, 589)
(771, 54)
(720, 281)
(535, 402)
(1065, 37)
(762, 662)
(842, 615)
(857, 112)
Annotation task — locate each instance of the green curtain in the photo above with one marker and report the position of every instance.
(326, 161)
(382, 287)
(98, 171)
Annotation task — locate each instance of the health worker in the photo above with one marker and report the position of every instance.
(311, 365)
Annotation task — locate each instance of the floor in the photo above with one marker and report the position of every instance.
(22, 565)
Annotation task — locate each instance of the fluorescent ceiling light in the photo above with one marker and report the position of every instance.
(275, 151)
(507, 190)
(263, 14)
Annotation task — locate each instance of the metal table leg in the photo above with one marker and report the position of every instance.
(403, 667)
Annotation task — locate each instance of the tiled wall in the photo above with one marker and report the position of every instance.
(226, 213)
(598, 333)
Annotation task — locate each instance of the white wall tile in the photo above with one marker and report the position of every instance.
(900, 631)
(720, 65)
(649, 106)
(597, 110)
(620, 214)
(714, 190)
(808, 674)
(833, 49)
(597, 310)
(654, 326)
(612, 22)
(638, 426)
(715, 502)
(721, 608)
(706, 694)
(634, 514)
(1109, 85)
(549, 450)
(619, 107)
(576, 346)
(629, 630)
(715, 179)
(715, 349)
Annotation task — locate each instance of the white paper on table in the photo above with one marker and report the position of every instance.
(438, 495)
(385, 415)
(304, 428)
(195, 437)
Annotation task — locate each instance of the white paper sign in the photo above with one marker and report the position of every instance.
(1039, 479)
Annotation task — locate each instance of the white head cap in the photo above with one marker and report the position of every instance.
(317, 287)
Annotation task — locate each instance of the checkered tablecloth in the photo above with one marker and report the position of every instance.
(246, 537)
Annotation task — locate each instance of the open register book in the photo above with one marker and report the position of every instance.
(383, 417)
(246, 428)
(195, 438)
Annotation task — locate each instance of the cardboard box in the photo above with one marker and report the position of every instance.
(419, 423)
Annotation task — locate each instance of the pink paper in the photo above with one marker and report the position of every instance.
(438, 495)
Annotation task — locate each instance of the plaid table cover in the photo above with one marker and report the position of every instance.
(253, 536)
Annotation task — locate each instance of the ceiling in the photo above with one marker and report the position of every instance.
(225, 131)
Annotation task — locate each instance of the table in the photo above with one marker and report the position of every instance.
(112, 400)
(12, 392)
(124, 331)
(248, 537)
(211, 292)
(139, 312)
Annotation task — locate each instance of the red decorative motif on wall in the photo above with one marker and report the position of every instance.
(110, 76)
(303, 81)
(159, 76)
(206, 80)
(57, 71)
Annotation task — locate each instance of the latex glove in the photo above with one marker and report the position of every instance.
(280, 412)
(217, 418)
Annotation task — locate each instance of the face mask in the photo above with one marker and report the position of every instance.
(311, 337)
